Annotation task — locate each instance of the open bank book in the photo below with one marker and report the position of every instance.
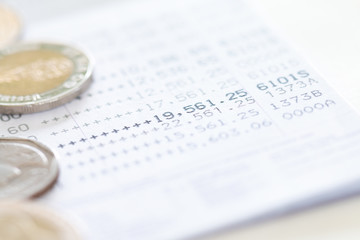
(200, 117)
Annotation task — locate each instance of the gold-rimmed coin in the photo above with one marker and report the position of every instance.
(27, 221)
(39, 76)
(27, 168)
(10, 26)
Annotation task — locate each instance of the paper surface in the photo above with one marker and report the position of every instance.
(199, 117)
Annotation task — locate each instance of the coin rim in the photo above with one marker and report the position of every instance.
(64, 96)
(54, 170)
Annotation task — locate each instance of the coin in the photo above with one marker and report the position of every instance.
(10, 26)
(39, 76)
(27, 221)
(27, 168)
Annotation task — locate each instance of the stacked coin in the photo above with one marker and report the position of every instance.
(10, 26)
(24, 221)
(33, 77)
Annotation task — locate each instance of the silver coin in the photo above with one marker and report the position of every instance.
(27, 168)
(39, 76)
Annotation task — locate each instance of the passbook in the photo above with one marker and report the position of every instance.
(199, 117)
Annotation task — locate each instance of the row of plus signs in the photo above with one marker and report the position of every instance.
(102, 91)
(111, 169)
(127, 164)
(67, 116)
(87, 110)
(139, 80)
(134, 148)
(104, 134)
